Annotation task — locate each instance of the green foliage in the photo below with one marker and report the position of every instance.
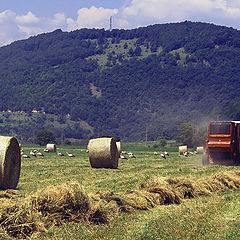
(187, 131)
(162, 141)
(161, 76)
(67, 142)
(44, 137)
(192, 135)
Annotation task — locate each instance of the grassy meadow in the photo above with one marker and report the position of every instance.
(208, 217)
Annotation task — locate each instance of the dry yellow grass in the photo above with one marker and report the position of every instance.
(69, 202)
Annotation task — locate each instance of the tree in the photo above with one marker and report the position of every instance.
(44, 137)
(186, 134)
(192, 135)
(138, 51)
(162, 141)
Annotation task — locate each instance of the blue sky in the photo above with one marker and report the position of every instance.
(20, 19)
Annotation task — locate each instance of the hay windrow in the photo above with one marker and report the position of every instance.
(9, 193)
(69, 202)
(131, 200)
(103, 212)
(20, 220)
(229, 179)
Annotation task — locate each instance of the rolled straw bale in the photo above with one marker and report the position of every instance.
(182, 149)
(51, 147)
(200, 150)
(119, 148)
(10, 162)
(103, 153)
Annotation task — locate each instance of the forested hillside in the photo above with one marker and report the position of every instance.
(120, 82)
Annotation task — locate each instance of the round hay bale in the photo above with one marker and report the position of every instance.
(200, 150)
(119, 148)
(103, 153)
(51, 147)
(10, 162)
(182, 149)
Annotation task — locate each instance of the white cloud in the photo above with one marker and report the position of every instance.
(94, 17)
(7, 16)
(28, 31)
(165, 9)
(133, 14)
(29, 18)
(58, 20)
(178, 10)
(71, 24)
(14, 27)
(9, 30)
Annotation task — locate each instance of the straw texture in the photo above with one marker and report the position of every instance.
(10, 162)
(200, 150)
(119, 148)
(51, 147)
(103, 153)
(182, 149)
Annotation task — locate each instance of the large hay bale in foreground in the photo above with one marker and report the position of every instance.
(119, 148)
(10, 162)
(103, 153)
(51, 147)
(200, 150)
(182, 149)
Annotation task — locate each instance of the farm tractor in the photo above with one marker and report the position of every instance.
(223, 143)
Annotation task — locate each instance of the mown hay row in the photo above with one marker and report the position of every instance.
(20, 220)
(69, 202)
(162, 191)
(64, 202)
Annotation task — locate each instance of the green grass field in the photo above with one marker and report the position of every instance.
(212, 217)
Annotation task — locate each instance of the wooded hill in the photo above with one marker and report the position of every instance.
(121, 82)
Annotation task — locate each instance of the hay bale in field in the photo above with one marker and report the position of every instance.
(51, 147)
(182, 149)
(10, 162)
(103, 153)
(119, 148)
(200, 150)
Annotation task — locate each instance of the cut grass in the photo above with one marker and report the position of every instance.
(211, 217)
